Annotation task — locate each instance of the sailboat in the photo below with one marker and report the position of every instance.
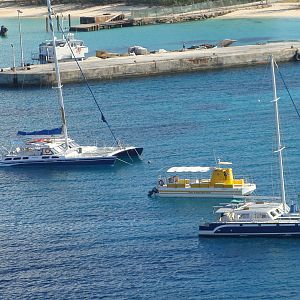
(261, 218)
(54, 146)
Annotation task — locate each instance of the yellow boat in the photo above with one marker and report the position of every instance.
(221, 183)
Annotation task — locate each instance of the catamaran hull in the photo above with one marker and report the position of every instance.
(107, 161)
(250, 229)
(128, 152)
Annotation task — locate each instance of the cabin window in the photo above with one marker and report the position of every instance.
(25, 157)
(47, 152)
(263, 216)
(55, 156)
(244, 216)
(9, 158)
(17, 158)
(43, 157)
(273, 214)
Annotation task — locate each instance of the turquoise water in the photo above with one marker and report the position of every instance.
(92, 233)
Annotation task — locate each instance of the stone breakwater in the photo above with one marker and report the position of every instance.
(181, 18)
(153, 64)
(197, 15)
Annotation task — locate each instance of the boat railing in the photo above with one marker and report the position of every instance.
(247, 178)
(35, 56)
(41, 58)
(4, 151)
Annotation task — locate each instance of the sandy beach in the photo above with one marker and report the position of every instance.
(282, 10)
(276, 10)
(7, 10)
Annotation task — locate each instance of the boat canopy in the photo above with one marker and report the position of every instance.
(224, 163)
(42, 132)
(188, 169)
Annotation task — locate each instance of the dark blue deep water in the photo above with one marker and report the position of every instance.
(92, 232)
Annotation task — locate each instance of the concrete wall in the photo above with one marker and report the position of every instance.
(154, 64)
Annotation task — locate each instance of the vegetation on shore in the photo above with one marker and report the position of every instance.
(104, 2)
(164, 2)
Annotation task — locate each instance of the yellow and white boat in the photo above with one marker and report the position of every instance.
(221, 183)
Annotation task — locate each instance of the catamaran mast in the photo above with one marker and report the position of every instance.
(59, 86)
(280, 147)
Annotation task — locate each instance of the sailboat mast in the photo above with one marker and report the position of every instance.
(59, 85)
(278, 135)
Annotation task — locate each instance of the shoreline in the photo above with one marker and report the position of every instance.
(275, 10)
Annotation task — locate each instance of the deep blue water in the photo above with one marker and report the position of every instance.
(92, 233)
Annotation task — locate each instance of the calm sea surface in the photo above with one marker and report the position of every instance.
(92, 233)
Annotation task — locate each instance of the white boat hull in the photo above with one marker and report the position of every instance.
(227, 193)
(102, 156)
(61, 160)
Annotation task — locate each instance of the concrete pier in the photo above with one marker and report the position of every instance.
(153, 64)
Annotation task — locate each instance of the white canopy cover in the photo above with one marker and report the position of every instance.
(224, 163)
(188, 169)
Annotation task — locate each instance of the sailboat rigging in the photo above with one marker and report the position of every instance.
(263, 218)
(54, 146)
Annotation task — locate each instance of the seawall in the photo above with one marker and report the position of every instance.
(153, 64)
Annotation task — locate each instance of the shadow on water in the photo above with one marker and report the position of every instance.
(189, 201)
(198, 209)
(42, 171)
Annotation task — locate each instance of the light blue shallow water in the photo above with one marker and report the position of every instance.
(92, 233)
(167, 36)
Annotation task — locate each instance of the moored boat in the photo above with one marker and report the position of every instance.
(3, 31)
(263, 218)
(257, 218)
(221, 183)
(66, 49)
(51, 149)
(54, 146)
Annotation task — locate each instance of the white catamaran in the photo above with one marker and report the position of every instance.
(260, 218)
(54, 146)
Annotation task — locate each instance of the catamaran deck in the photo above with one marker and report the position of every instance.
(154, 64)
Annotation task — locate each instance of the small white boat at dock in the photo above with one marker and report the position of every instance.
(66, 49)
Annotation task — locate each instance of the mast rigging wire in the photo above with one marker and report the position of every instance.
(294, 104)
(103, 119)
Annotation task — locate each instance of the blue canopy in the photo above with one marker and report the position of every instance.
(42, 132)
